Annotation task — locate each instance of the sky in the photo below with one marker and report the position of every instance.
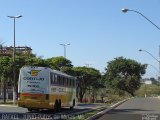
(97, 30)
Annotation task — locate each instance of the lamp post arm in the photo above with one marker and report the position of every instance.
(153, 67)
(152, 56)
(145, 18)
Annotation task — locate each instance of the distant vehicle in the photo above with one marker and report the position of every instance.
(44, 88)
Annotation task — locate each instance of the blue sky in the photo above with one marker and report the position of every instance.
(96, 29)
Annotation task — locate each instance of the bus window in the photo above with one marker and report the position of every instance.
(63, 78)
(70, 81)
(55, 79)
(51, 78)
(73, 82)
(65, 81)
(58, 80)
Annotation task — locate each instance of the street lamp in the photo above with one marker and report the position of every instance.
(64, 45)
(149, 54)
(14, 73)
(152, 57)
(145, 89)
(125, 10)
(153, 67)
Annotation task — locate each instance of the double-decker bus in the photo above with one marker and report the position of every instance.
(44, 88)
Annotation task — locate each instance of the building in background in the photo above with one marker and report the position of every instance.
(8, 51)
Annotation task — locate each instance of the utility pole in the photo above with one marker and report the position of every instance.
(159, 64)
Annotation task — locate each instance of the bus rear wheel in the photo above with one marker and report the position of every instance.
(57, 105)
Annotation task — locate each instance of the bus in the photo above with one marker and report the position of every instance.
(44, 88)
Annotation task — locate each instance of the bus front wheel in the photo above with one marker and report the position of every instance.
(33, 109)
(73, 104)
(56, 105)
(30, 109)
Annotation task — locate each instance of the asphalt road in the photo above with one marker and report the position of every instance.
(9, 112)
(135, 109)
(13, 112)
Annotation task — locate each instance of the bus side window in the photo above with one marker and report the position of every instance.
(67, 81)
(63, 81)
(55, 79)
(70, 82)
(58, 79)
(73, 83)
(51, 78)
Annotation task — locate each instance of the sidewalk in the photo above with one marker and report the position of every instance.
(8, 103)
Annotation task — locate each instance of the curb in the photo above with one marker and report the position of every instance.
(99, 114)
(9, 105)
(85, 111)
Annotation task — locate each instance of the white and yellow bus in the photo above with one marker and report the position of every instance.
(44, 88)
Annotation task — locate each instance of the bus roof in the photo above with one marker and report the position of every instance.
(52, 70)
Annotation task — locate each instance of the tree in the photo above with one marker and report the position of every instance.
(124, 74)
(5, 73)
(59, 63)
(86, 77)
(34, 61)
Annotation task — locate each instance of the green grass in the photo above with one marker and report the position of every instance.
(85, 116)
(7, 102)
(151, 90)
(88, 114)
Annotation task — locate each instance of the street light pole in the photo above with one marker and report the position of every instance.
(14, 44)
(64, 45)
(149, 54)
(126, 10)
(159, 64)
(154, 58)
(145, 90)
(153, 67)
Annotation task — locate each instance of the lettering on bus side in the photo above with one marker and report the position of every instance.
(61, 90)
(35, 86)
(53, 89)
(33, 78)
